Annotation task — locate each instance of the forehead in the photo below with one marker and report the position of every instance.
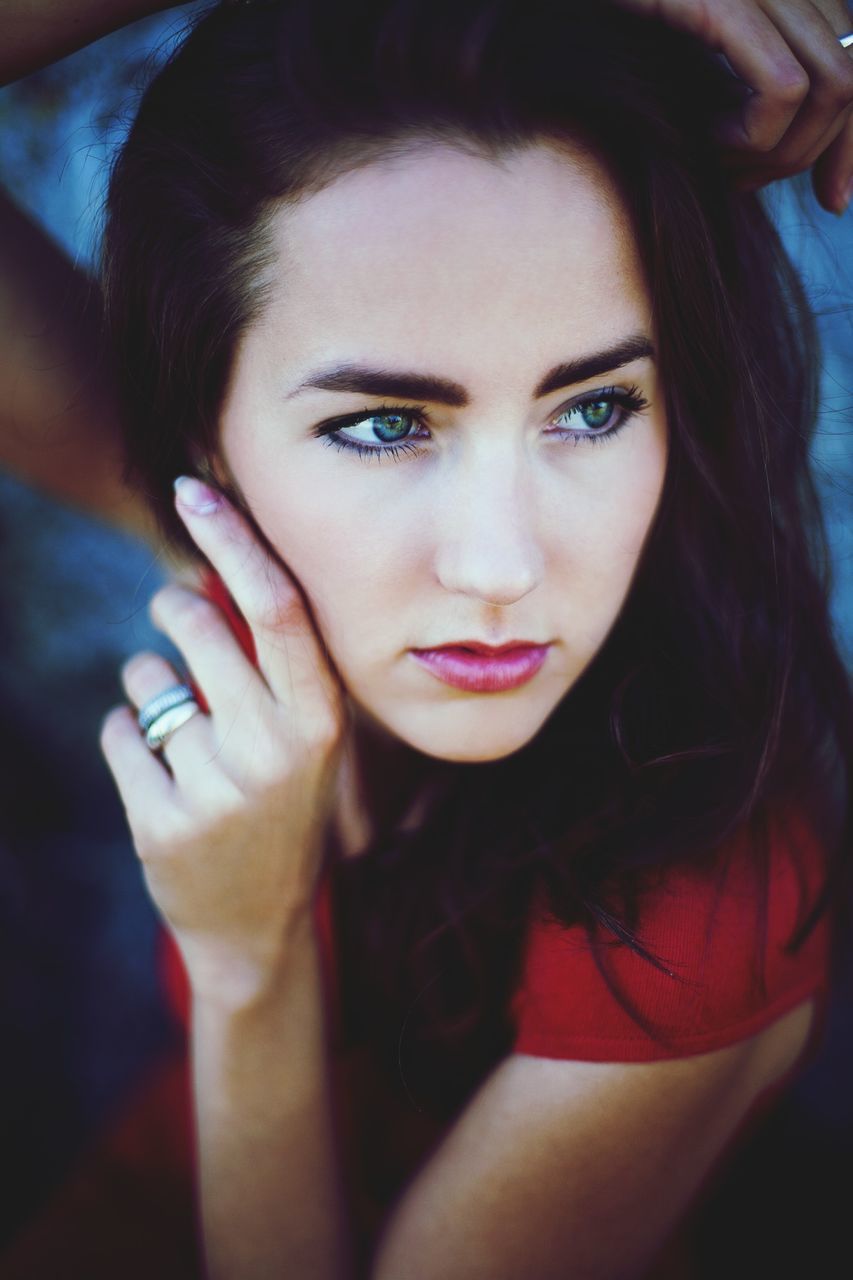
(425, 247)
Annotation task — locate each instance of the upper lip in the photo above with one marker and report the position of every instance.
(491, 649)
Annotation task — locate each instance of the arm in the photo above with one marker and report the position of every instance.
(574, 1170)
(59, 426)
(58, 421)
(561, 1170)
(273, 1203)
(231, 841)
(556, 1170)
(38, 32)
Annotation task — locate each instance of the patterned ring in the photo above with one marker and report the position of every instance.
(169, 722)
(154, 707)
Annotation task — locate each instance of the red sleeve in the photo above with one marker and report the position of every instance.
(705, 927)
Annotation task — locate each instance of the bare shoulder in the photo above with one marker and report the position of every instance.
(579, 1170)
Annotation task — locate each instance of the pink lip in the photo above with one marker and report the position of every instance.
(479, 674)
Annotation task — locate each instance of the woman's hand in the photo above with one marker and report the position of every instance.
(799, 113)
(230, 834)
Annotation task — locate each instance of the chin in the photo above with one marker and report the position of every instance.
(481, 749)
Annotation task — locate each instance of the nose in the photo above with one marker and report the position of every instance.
(487, 544)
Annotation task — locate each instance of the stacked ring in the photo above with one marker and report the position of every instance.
(161, 716)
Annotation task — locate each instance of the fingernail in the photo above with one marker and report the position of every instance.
(195, 496)
(845, 198)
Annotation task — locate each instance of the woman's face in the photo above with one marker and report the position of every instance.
(512, 284)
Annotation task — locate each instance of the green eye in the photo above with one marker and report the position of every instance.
(598, 418)
(389, 427)
(596, 412)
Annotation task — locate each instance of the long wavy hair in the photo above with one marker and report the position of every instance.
(719, 698)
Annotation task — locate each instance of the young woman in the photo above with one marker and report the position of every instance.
(489, 959)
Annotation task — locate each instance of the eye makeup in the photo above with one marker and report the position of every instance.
(624, 404)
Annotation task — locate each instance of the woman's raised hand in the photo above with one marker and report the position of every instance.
(230, 834)
(799, 113)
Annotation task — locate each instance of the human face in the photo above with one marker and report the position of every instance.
(494, 525)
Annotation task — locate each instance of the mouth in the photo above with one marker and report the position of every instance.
(477, 646)
(483, 670)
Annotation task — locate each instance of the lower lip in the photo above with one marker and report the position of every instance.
(479, 674)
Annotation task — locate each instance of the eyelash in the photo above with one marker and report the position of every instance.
(631, 402)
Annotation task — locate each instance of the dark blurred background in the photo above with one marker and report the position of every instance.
(83, 1018)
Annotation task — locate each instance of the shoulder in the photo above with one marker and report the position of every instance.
(720, 931)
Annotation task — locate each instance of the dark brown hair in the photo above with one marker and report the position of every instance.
(719, 697)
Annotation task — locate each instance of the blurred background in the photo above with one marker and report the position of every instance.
(83, 1017)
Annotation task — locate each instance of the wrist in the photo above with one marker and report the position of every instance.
(232, 976)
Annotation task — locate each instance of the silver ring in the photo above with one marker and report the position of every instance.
(168, 722)
(846, 41)
(164, 701)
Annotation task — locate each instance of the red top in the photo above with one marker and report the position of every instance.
(136, 1182)
(706, 929)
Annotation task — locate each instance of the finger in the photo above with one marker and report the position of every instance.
(144, 786)
(756, 170)
(221, 671)
(832, 175)
(145, 676)
(830, 70)
(758, 55)
(764, 60)
(245, 715)
(290, 654)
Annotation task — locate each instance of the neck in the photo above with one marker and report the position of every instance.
(379, 776)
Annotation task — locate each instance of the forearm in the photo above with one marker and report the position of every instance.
(271, 1195)
(59, 417)
(38, 32)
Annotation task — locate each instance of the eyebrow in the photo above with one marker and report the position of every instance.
(426, 386)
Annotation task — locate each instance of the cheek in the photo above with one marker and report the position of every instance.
(294, 524)
(332, 564)
(634, 519)
(615, 533)
(637, 485)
